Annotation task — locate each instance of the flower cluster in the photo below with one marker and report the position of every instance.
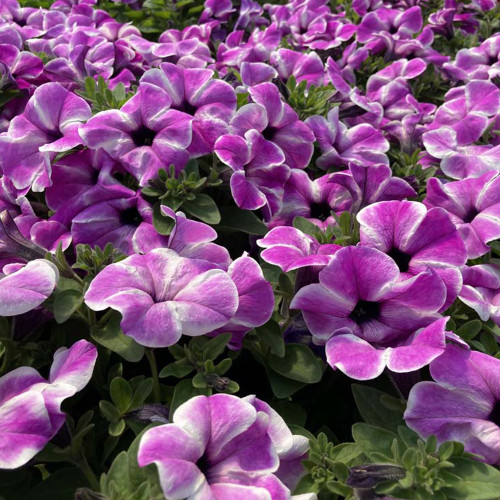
(310, 189)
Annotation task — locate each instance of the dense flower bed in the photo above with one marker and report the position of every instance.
(249, 251)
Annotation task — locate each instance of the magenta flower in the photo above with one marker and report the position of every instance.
(308, 67)
(341, 145)
(189, 238)
(211, 102)
(162, 295)
(258, 171)
(115, 221)
(219, 448)
(30, 406)
(27, 287)
(314, 200)
(481, 290)
(49, 125)
(288, 248)
(144, 135)
(474, 207)
(417, 240)
(277, 122)
(360, 289)
(462, 404)
(362, 360)
(370, 184)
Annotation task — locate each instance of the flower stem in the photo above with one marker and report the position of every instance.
(154, 373)
(84, 466)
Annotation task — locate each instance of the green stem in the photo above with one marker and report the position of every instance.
(154, 373)
(84, 466)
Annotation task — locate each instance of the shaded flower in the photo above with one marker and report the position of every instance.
(219, 447)
(27, 287)
(462, 404)
(30, 406)
(162, 296)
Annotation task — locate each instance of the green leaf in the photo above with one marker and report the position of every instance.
(60, 485)
(162, 223)
(372, 408)
(270, 335)
(479, 481)
(282, 387)
(66, 303)
(470, 329)
(116, 428)
(109, 411)
(299, 363)
(215, 347)
(142, 392)
(306, 226)
(121, 393)
(183, 391)
(373, 439)
(203, 208)
(245, 221)
(177, 369)
(112, 337)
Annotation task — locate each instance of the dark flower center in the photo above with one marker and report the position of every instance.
(470, 215)
(130, 217)
(320, 211)
(143, 136)
(54, 135)
(494, 416)
(365, 311)
(188, 108)
(402, 259)
(269, 133)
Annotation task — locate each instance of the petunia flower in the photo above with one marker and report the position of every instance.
(474, 207)
(416, 239)
(462, 404)
(219, 447)
(162, 296)
(259, 173)
(360, 289)
(146, 134)
(49, 125)
(27, 287)
(210, 102)
(30, 406)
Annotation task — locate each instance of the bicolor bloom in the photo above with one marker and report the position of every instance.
(360, 289)
(162, 296)
(362, 360)
(49, 125)
(277, 122)
(221, 447)
(259, 173)
(210, 102)
(27, 287)
(416, 239)
(481, 290)
(462, 404)
(474, 207)
(370, 184)
(30, 406)
(289, 248)
(146, 134)
(340, 145)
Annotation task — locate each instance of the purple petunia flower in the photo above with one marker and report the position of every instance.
(49, 125)
(162, 295)
(277, 122)
(30, 406)
(474, 207)
(26, 288)
(341, 145)
(417, 240)
(258, 171)
(146, 134)
(220, 448)
(211, 102)
(360, 289)
(462, 404)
